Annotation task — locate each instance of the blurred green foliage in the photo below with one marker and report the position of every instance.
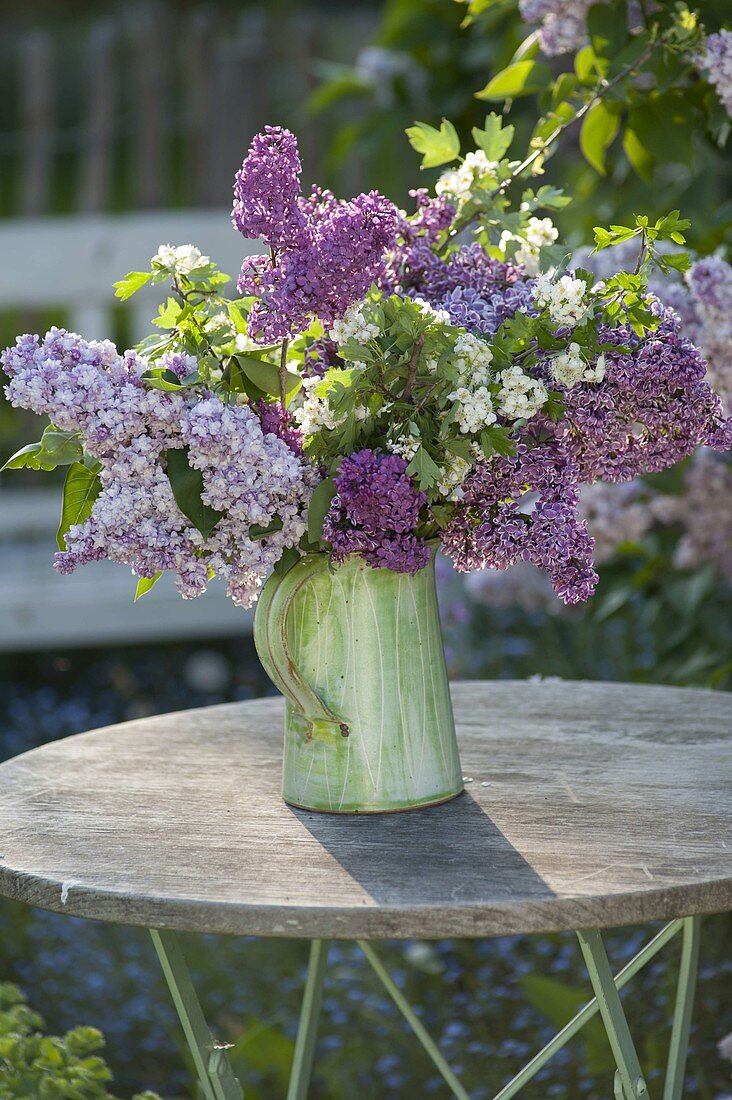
(49, 1067)
(428, 61)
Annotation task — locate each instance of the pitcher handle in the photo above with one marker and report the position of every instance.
(270, 639)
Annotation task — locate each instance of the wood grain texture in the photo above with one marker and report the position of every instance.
(606, 804)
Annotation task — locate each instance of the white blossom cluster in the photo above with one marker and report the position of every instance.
(179, 259)
(405, 445)
(473, 408)
(437, 316)
(353, 325)
(473, 401)
(565, 299)
(315, 412)
(568, 368)
(520, 396)
(538, 234)
(473, 357)
(457, 182)
(452, 476)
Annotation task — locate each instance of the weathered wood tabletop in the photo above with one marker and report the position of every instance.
(586, 805)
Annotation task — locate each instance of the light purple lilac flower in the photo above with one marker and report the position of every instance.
(375, 512)
(251, 475)
(717, 61)
(563, 26)
(325, 252)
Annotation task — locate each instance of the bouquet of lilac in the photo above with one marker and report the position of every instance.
(383, 381)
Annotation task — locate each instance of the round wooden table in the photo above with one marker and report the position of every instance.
(586, 806)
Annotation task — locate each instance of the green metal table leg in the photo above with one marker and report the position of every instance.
(613, 1017)
(586, 1013)
(679, 1045)
(414, 1022)
(215, 1075)
(302, 1063)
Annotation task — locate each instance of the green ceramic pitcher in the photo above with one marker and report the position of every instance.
(357, 652)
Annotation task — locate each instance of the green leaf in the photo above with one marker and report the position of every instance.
(145, 584)
(318, 508)
(497, 440)
(26, 457)
(607, 25)
(523, 78)
(599, 130)
(81, 488)
(424, 469)
(170, 382)
(266, 376)
(495, 139)
(436, 146)
(664, 126)
(56, 448)
(290, 557)
(637, 153)
(187, 486)
(131, 283)
(257, 531)
(170, 314)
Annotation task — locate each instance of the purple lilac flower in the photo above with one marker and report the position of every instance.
(654, 407)
(717, 60)
(279, 422)
(563, 23)
(710, 281)
(413, 253)
(375, 513)
(249, 475)
(318, 357)
(326, 252)
(494, 527)
(267, 190)
(485, 315)
(478, 292)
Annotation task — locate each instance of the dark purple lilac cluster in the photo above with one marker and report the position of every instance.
(413, 255)
(324, 252)
(654, 407)
(375, 513)
(277, 420)
(495, 527)
(478, 292)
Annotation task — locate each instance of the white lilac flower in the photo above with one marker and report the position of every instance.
(406, 446)
(457, 182)
(473, 408)
(565, 298)
(179, 259)
(568, 368)
(353, 325)
(437, 316)
(473, 357)
(315, 412)
(452, 476)
(539, 233)
(520, 396)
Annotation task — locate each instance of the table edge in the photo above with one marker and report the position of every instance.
(461, 921)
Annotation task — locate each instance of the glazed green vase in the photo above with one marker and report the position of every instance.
(357, 652)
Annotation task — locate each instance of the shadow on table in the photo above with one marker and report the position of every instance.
(452, 853)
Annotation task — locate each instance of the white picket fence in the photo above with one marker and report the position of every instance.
(69, 264)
